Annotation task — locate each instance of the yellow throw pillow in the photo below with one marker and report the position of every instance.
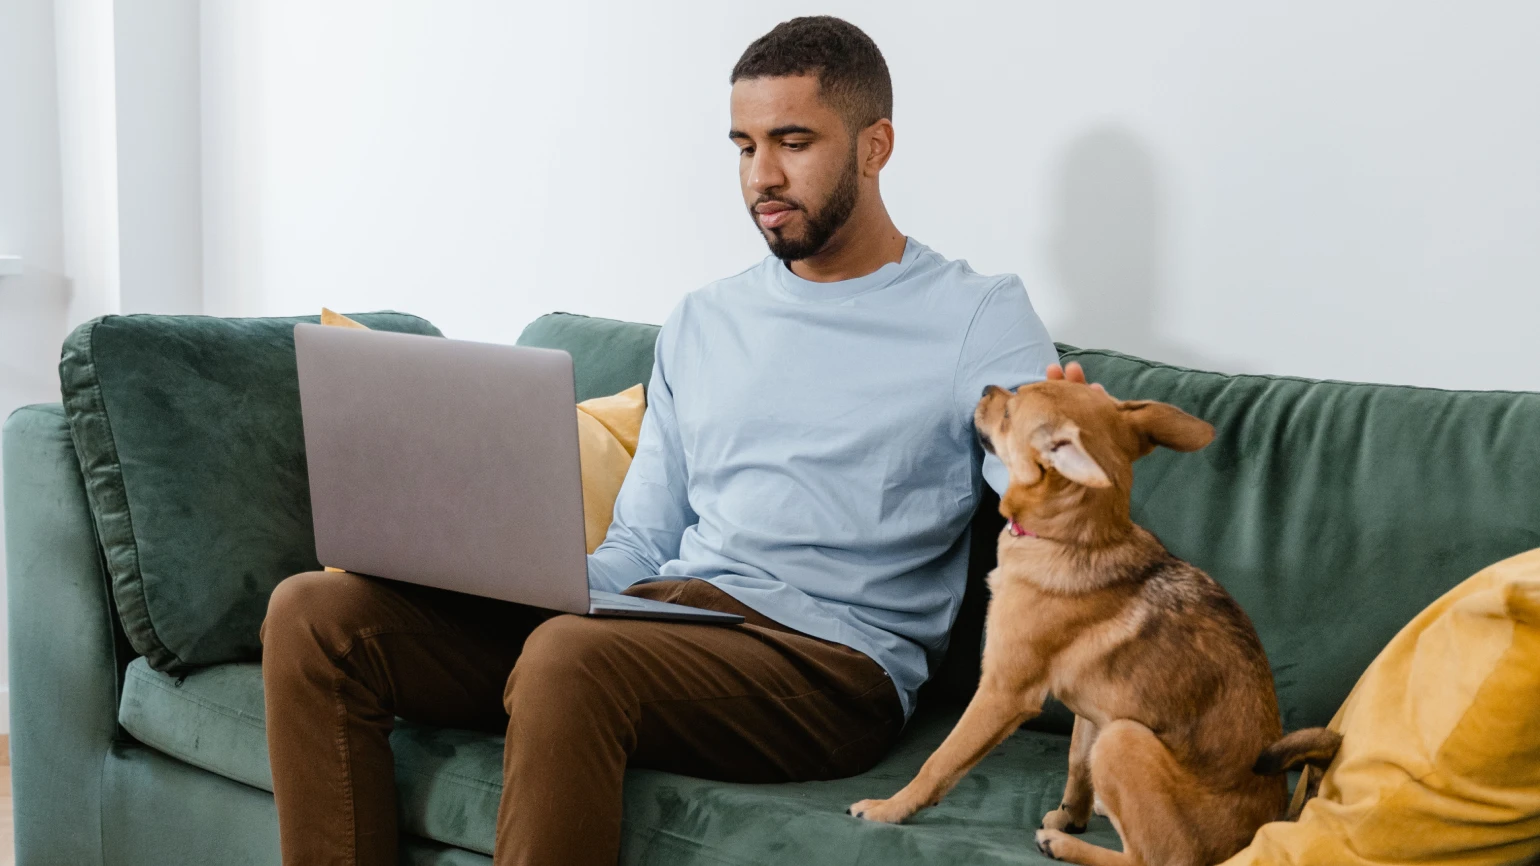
(1440, 757)
(607, 431)
(330, 318)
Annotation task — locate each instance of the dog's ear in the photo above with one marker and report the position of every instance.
(1164, 424)
(1061, 448)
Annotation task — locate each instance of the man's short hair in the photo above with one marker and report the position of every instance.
(852, 76)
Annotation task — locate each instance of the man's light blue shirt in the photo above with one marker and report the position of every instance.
(809, 449)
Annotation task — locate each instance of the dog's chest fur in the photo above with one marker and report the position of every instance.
(1146, 637)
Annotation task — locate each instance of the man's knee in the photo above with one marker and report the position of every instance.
(565, 658)
(312, 610)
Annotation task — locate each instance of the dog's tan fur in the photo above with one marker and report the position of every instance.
(1171, 690)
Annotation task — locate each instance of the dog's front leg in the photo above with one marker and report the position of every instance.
(1075, 809)
(991, 716)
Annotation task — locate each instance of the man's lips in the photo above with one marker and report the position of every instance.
(773, 214)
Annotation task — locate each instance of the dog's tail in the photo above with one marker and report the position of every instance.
(1315, 747)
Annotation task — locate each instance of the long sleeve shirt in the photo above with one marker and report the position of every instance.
(809, 449)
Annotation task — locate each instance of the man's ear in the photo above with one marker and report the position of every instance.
(878, 139)
(1164, 424)
(1062, 449)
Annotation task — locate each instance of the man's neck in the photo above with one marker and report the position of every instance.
(860, 247)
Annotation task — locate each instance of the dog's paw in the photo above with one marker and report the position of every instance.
(881, 811)
(1059, 819)
(1046, 839)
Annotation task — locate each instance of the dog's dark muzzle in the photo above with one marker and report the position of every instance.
(983, 437)
(988, 446)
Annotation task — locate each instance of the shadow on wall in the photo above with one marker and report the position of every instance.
(1106, 250)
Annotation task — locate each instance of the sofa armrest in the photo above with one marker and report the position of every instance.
(65, 647)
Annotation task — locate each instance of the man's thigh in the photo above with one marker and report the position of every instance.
(430, 655)
(756, 702)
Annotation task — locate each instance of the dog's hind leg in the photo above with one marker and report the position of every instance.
(1143, 787)
(1075, 809)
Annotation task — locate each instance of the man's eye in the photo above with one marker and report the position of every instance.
(745, 151)
(795, 145)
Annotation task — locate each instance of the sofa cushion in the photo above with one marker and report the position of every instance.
(189, 438)
(1333, 512)
(1440, 754)
(608, 428)
(608, 356)
(213, 718)
(449, 783)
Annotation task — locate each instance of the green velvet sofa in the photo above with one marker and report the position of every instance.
(148, 517)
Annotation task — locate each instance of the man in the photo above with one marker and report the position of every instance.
(807, 460)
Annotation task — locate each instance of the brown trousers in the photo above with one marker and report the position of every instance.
(581, 698)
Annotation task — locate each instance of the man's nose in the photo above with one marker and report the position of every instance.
(765, 174)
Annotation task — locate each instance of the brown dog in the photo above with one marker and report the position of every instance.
(1176, 722)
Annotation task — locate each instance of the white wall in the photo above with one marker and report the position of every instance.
(85, 120)
(157, 89)
(1323, 188)
(33, 305)
(129, 144)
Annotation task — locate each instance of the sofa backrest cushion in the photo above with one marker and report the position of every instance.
(189, 437)
(1333, 512)
(608, 356)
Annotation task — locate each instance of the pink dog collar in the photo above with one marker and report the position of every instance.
(1016, 530)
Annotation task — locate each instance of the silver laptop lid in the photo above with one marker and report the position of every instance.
(444, 462)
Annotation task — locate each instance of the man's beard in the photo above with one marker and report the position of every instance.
(822, 225)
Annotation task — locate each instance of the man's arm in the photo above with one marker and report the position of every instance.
(652, 510)
(1006, 345)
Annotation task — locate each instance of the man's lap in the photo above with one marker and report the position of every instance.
(787, 703)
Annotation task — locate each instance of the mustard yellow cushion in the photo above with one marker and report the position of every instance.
(607, 431)
(330, 318)
(1440, 757)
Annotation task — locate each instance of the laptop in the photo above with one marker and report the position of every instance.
(453, 464)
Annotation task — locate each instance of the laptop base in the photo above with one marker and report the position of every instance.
(613, 604)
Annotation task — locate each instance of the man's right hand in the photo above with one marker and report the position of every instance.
(1072, 373)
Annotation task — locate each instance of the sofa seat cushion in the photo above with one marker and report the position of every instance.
(449, 782)
(193, 454)
(212, 719)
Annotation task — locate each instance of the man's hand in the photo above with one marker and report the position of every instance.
(1073, 373)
